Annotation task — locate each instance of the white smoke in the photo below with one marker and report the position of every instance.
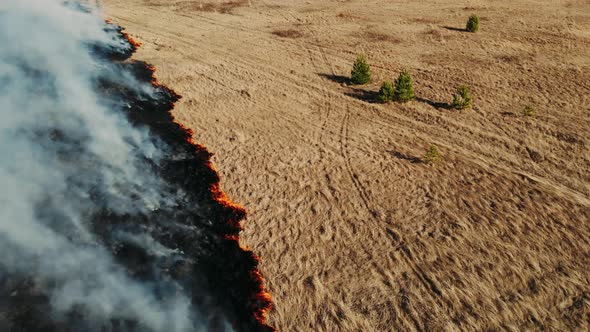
(47, 89)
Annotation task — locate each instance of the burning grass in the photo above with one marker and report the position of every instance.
(235, 278)
(198, 232)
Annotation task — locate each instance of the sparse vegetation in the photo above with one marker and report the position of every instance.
(432, 155)
(361, 71)
(404, 88)
(386, 93)
(529, 110)
(462, 98)
(473, 23)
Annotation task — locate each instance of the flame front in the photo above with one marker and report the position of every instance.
(259, 301)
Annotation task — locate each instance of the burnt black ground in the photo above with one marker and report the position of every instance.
(220, 277)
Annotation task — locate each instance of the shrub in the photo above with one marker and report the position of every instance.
(361, 71)
(473, 23)
(432, 155)
(462, 99)
(386, 93)
(529, 110)
(404, 89)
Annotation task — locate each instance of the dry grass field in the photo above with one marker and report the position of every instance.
(354, 232)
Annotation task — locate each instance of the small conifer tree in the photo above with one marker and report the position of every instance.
(386, 93)
(473, 23)
(361, 71)
(404, 89)
(432, 155)
(462, 99)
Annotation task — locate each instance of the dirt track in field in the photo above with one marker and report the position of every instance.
(354, 232)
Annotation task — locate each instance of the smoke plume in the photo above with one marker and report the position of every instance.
(111, 218)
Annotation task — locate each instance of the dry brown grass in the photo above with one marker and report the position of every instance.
(354, 232)
(218, 6)
(377, 36)
(434, 33)
(424, 20)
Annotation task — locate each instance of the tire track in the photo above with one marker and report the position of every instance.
(425, 280)
(344, 152)
(317, 40)
(308, 49)
(324, 111)
(387, 119)
(310, 56)
(475, 153)
(380, 119)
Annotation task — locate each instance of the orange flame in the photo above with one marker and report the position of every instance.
(134, 43)
(261, 300)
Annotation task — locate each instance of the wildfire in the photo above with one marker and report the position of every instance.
(132, 42)
(230, 213)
